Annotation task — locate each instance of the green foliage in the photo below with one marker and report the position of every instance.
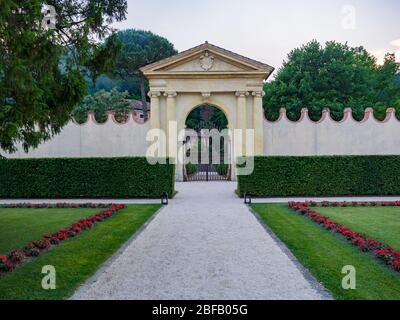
(105, 83)
(85, 178)
(139, 48)
(191, 169)
(42, 71)
(206, 117)
(322, 176)
(335, 76)
(102, 102)
(222, 169)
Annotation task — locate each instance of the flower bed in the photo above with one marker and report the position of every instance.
(35, 247)
(382, 251)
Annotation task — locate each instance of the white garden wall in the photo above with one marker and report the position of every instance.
(329, 137)
(111, 139)
(282, 137)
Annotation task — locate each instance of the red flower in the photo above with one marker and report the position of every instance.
(396, 264)
(16, 256)
(34, 247)
(5, 264)
(382, 251)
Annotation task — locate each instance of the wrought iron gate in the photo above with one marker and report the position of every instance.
(208, 171)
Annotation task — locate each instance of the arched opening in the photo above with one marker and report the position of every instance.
(207, 145)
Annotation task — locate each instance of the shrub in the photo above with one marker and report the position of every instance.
(131, 177)
(191, 169)
(322, 176)
(222, 169)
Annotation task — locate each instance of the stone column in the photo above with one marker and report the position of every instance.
(172, 138)
(258, 123)
(155, 122)
(241, 122)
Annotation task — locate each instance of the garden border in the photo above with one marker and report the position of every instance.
(34, 248)
(365, 243)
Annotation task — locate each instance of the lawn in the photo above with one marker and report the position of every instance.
(324, 254)
(76, 259)
(20, 226)
(381, 223)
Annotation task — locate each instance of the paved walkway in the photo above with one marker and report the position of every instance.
(232, 185)
(205, 245)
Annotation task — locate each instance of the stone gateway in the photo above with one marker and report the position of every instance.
(208, 74)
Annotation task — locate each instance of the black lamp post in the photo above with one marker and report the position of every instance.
(164, 199)
(247, 198)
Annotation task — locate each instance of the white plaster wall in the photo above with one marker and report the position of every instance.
(282, 137)
(329, 137)
(91, 139)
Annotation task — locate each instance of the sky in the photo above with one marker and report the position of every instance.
(267, 30)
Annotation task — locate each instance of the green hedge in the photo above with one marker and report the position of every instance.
(131, 177)
(323, 176)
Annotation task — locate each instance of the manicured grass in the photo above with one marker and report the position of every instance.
(76, 259)
(381, 223)
(20, 226)
(324, 255)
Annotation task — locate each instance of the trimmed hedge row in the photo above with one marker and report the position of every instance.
(322, 176)
(130, 177)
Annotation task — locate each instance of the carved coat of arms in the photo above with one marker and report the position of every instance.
(206, 61)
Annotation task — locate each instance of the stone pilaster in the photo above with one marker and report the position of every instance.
(155, 122)
(258, 123)
(172, 138)
(241, 122)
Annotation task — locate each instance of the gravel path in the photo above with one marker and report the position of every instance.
(205, 245)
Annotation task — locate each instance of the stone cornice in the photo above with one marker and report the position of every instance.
(255, 66)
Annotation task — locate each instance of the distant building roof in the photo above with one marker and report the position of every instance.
(137, 105)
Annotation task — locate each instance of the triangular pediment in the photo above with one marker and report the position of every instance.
(207, 58)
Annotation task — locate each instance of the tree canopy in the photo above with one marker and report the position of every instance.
(42, 70)
(140, 48)
(333, 76)
(101, 102)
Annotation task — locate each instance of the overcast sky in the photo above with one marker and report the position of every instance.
(266, 30)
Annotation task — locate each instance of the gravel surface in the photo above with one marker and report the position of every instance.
(205, 245)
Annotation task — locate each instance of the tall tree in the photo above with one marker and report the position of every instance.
(43, 63)
(140, 48)
(335, 76)
(101, 102)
